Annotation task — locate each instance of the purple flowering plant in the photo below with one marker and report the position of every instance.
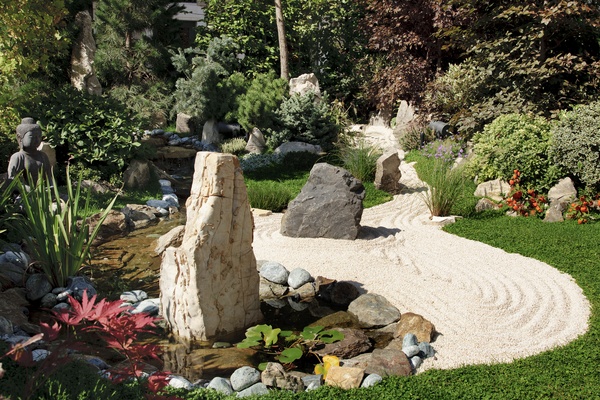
(447, 150)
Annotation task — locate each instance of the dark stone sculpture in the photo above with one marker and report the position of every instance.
(29, 158)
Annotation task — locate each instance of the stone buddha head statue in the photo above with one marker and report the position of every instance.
(29, 135)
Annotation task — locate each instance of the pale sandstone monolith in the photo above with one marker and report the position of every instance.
(209, 284)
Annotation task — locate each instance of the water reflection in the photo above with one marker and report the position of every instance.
(195, 362)
(130, 263)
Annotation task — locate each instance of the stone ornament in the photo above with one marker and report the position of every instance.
(29, 158)
(209, 284)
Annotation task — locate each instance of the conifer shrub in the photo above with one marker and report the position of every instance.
(257, 106)
(576, 144)
(210, 87)
(514, 141)
(235, 146)
(304, 118)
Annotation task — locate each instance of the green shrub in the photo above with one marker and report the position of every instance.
(209, 88)
(469, 96)
(236, 146)
(257, 106)
(445, 186)
(453, 91)
(95, 131)
(252, 162)
(269, 195)
(303, 118)
(464, 204)
(576, 144)
(150, 103)
(515, 141)
(410, 139)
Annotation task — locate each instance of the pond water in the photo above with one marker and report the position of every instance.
(130, 263)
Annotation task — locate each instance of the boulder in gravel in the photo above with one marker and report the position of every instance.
(387, 172)
(329, 205)
(345, 377)
(220, 385)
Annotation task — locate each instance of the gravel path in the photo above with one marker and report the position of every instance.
(488, 305)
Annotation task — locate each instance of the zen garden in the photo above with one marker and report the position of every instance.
(351, 199)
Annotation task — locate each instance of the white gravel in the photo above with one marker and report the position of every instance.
(488, 305)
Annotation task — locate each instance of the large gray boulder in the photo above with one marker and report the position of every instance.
(256, 142)
(137, 175)
(329, 205)
(184, 123)
(560, 196)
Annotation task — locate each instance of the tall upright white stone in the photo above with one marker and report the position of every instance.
(209, 284)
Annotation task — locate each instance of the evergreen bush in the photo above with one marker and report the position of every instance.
(97, 132)
(151, 103)
(514, 141)
(235, 146)
(304, 118)
(257, 106)
(576, 144)
(210, 87)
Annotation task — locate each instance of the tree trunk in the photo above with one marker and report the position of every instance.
(283, 53)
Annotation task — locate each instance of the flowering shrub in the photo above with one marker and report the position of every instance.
(115, 325)
(581, 210)
(524, 202)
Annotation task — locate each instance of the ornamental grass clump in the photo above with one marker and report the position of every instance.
(59, 242)
(360, 160)
(445, 186)
(269, 195)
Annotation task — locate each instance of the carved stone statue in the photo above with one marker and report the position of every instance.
(29, 158)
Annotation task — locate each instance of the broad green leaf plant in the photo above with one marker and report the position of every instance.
(270, 339)
(57, 239)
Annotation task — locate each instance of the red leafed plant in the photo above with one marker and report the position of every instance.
(114, 323)
(524, 202)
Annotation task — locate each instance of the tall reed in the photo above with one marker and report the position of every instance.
(59, 243)
(445, 186)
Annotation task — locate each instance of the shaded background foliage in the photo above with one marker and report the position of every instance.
(463, 61)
